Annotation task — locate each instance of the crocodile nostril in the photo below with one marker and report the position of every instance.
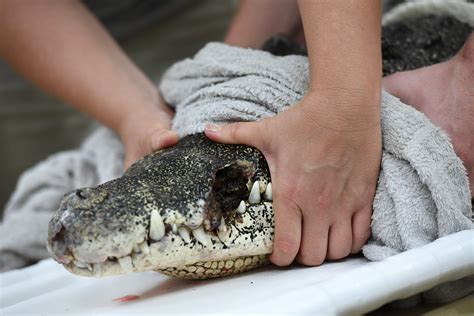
(57, 246)
(59, 235)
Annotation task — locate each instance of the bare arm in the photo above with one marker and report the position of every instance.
(257, 21)
(343, 39)
(324, 152)
(62, 48)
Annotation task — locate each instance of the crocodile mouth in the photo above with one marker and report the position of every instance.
(176, 246)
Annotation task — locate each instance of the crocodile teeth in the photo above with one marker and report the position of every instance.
(268, 195)
(242, 207)
(80, 265)
(222, 227)
(201, 236)
(83, 265)
(174, 228)
(144, 248)
(184, 233)
(254, 197)
(157, 227)
(126, 264)
(223, 235)
(98, 270)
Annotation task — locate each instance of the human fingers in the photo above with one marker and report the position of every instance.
(361, 228)
(287, 229)
(314, 240)
(162, 139)
(248, 133)
(143, 141)
(340, 239)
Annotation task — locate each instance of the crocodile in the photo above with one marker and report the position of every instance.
(195, 210)
(201, 209)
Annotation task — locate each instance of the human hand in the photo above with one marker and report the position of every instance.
(147, 131)
(324, 160)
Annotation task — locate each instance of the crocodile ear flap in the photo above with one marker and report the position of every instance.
(230, 188)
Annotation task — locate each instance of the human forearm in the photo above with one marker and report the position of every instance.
(61, 47)
(257, 21)
(343, 40)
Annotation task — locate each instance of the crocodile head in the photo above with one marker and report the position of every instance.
(196, 210)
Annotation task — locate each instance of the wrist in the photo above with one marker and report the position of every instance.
(342, 110)
(143, 116)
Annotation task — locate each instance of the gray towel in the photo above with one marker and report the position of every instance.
(40, 189)
(423, 191)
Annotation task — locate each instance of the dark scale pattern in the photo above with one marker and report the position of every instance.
(422, 41)
(109, 219)
(406, 45)
(116, 214)
(185, 173)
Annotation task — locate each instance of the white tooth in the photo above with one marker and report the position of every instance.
(144, 248)
(201, 236)
(249, 184)
(241, 208)
(223, 235)
(254, 197)
(184, 233)
(126, 264)
(98, 270)
(222, 227)
(136, 248)
(89, 267)
(268, 193)
(174, 228)
(80, 265)
(157, 227)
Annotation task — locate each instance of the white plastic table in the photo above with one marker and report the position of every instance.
(351, 286)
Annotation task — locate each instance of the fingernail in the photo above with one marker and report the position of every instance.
(213, 128)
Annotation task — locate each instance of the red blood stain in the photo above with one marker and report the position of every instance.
(127, 298)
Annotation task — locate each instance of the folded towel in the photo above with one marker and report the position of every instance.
(423, 191)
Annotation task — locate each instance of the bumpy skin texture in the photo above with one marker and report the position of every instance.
(421, 42)
(194, 185)
(196, 188)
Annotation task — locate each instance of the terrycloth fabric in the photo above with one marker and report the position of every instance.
(40, 189)
(423, 191)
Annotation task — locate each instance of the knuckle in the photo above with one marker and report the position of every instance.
(323, 200)
(286, 246)
(284, 250)
(287, 196)
(360, 239)
(339, 253)
(311, 259)
(234, 130)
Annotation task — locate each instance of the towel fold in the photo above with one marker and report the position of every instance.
(423, 191)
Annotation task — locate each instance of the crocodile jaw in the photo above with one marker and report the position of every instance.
(217, 253)
(198, 205)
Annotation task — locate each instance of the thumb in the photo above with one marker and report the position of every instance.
(247, 133)
(163, 139)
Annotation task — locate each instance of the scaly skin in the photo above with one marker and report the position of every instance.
(177, 211)
(196, 188)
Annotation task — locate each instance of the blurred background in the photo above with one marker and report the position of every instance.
(155, 34)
